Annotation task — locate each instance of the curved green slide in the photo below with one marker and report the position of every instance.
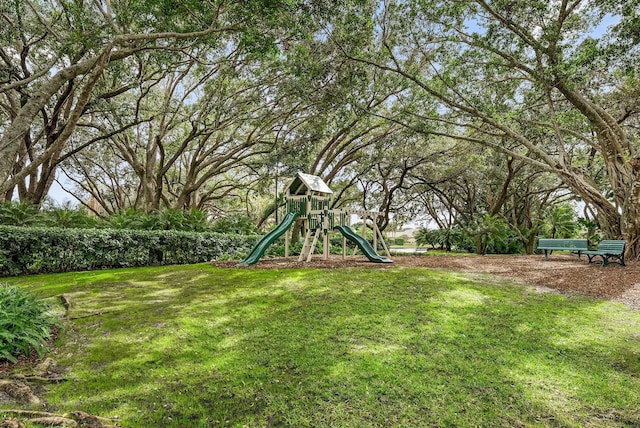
(268, 239)
(363, 244)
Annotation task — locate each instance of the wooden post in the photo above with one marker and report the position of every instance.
(313, 244)
(375, 235)
(344, 248)
(343, 222)
(325, 256)
(307, 238)
(384, 244)
(286, 242)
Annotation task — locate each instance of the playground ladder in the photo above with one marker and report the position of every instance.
(309, 246)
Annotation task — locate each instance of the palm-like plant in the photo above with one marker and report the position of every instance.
(25, 323)
(560, 221)
(69, 218)
(20, 214)
(490, 232)
(128, 219)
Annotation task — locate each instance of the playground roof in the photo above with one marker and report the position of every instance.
(307, 182)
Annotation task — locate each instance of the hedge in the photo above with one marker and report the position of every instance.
(30, 250)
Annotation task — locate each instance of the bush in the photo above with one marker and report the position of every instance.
(25, 323)
(443, 239)
(590, 231)
(164, 219)
(398, 241)
(560, 221)
(28, 215)
(239, 224)
(20, 214)
(45, 250)
(492, 235)
(68, 218)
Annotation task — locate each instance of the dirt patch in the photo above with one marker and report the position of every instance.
(564, 273)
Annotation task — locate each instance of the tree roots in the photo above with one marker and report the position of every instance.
(76, 419)
(16, 389)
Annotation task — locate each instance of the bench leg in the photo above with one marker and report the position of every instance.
(620, 259)
(546, 255)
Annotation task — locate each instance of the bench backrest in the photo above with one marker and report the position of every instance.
(612, 246)
(578, 244)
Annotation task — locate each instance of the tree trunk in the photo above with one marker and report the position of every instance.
(13, 137)
(630, 220)
(608, 217)
(530, 244)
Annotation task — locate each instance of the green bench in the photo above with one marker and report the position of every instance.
(608, 250)
(550, 245)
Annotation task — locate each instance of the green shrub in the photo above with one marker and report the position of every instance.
(20, 214)
(590, 231)
(560, 221)
(25, 323)
(239, 224)
(27, 250)
(164, 219)
(69, 218)
(398, 241)
(443, 239)
(492, 235)
(28, 215)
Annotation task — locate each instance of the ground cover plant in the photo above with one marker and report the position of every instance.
(207, 346)
(25, 323)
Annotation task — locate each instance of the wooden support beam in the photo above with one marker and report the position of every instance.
(384, 244)
(286, 242)
(375, 235)
(313, 245)
(344, 248)
(305, 245)
(325, 246)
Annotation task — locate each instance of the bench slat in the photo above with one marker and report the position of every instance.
(547, 244)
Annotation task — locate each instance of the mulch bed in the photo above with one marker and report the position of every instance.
(561, 272)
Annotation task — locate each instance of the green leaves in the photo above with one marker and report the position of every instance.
(19, 214)
(25, 323)
(165, 219)
(26, 214)
(445, 238)
(560, 221)
(39, 250)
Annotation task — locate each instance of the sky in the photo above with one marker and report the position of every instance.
(60, 196)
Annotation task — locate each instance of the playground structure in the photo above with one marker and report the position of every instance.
(308, 199)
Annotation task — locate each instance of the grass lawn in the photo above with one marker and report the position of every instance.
(196, 345)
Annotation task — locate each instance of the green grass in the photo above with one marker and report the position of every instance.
(204, 346)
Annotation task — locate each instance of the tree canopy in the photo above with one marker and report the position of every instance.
(460, 112)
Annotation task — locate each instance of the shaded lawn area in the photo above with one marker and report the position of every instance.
(204, 346)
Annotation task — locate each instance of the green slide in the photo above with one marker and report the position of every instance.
(362, 243)
(268, 239)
